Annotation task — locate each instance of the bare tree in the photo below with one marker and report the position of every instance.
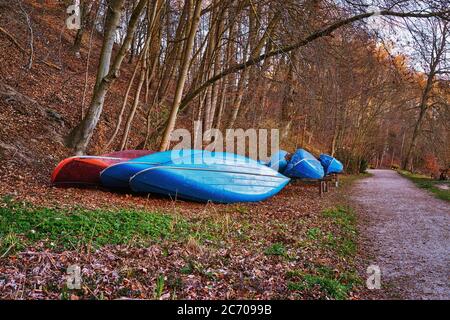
(80, 136)
(194, 17)
(431, 41)
(211, 54)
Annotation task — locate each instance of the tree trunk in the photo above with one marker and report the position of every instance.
(165, 142)
(215, 99)
(215, 41)
(146, 53)
(78, 40)
(171, 62)
(124, 105)
(221, 103)
(112, 23)
(412, 146)
(287, 104)
(423, 111)
(80, 136)
(238, 99)
(124, 140)
(84, 13)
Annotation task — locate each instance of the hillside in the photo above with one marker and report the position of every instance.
(40, 106)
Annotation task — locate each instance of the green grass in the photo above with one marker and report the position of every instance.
(325, 279)
(159, 288)
(276, 249)
(192, 267)
(187, 269)
(342, 238)
(314, 233)
(341, 241)
(331, 286)
(343, 216)
(345, 242)
(23, 224)
(349, 179)
(429, 184)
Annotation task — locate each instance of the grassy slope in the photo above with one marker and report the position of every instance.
(22, 225)
(343, 243)
(315, 258)
(429, 184)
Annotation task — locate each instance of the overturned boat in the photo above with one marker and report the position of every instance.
(204, 176)
(85, 170)
(303, 165)
(330, 164)
(117, 176)
(279, 161)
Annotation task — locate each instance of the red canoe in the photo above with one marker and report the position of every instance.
(85, 170)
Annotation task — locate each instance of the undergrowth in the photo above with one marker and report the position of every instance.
(429, 184)
(23, 224)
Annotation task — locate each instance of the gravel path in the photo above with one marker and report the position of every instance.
(407, 234)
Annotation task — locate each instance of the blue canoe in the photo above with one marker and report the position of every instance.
(330, 164)
(118, 176)
(278, 161)
(213, 176)
(304, 165)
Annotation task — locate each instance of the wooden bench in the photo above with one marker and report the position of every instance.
(323, 184)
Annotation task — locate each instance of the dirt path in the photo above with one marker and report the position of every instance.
(407, 234)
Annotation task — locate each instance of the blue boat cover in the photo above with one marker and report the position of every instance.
(304, 165)
(330, 164)
(278, 161)
(211, 176)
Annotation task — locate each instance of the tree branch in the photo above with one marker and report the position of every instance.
(12, 39)
(316, 35)
(30, 29)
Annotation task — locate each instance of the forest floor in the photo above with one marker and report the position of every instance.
(406, 231)
(295, 245)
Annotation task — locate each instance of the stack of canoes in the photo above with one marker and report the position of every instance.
(196, 175)
(303, 165)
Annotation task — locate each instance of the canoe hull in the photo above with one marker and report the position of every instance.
(330, 164)
(118, 176)
(304, 165)
(278, 161)
(85, 170)
(222, 181)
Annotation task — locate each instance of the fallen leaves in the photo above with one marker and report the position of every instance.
(234, 268)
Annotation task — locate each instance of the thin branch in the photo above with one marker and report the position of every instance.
(17, 44)
(316, 35)
(12, 39)
(30, 29)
